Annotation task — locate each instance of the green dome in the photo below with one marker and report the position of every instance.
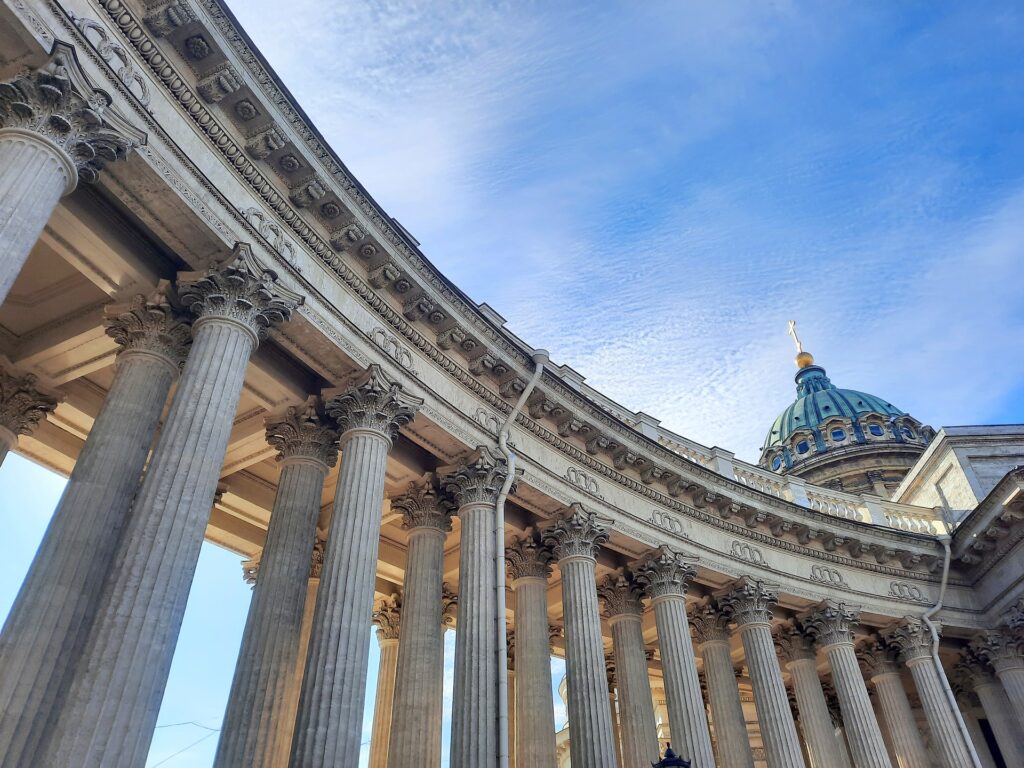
(820, 401)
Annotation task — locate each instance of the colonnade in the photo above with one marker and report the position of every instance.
(87, 648)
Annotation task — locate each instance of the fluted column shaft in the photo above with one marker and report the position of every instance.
(1000, 716)
(535, 712)
(45, 632)
(111, 712)
(417, 685)
(1011, 675)
(613, 710)
(978, 739)
(328, 726)
(34, 174)
(260, 717)
(682, 685)
(593, 744)
(862, 732)
(782, 747)
(945, 731)
(906, 739)
(726, 708)
(384, 704)
(815, 721)
(474, 729)
(638, 731)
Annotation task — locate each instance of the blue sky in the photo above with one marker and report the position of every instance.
(650, 190)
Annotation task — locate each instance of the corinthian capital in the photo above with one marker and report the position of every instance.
(526, 558)
(792, 644)
(910, 638)
(576, 532)
(449, 605)
(150, 325)
(57, 103)
(621, 596)
(301, 434)
(374, 402)
(875, 658)
(241, 290)
(708, 622)
(665, 573)
(749, 601)
(424, 506)
(478, 478)
(829, 623)
(1002, 649)
(388, 617)
(22, 402)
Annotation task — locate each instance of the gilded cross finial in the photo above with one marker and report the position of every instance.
(796, 339)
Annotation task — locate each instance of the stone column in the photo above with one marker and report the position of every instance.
(110, 712)
(576, 537)
(475, 484)
(449, 609)
(426, 515)
(23, 404)
(798, 656)
(1004, 650)
(50, 619)
(329, 724)
(709, 627)
(913, 641)
(830, 625)
(388, 618)
(528, 572)
(54, 129)
(878, 664)
(510, 652)
(969, 703)
(995, 705)
(638, 732)
(749, 603)
(613, 707)
(260, 716)
(665, 574)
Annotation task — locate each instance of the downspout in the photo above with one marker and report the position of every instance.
(540, 357)
(926, 617)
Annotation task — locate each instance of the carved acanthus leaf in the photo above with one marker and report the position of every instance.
(749, 601)
(708, 622)
(23, 404)
(150, 325)
(620, 596)
(478, 478)
(910, 638)
(576, 532)
(528, 558)
(424, 505)
(239, 289)
(829, 623)
(388, 617)
(374, 402)
(665, 572)
(301, 433)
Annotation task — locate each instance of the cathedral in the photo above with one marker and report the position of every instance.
(213, 330)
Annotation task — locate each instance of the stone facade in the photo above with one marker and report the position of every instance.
(299, 286)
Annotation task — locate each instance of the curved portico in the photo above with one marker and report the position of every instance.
(341, 299)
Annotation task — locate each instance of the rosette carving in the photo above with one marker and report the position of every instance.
(239, 289)
(576, 532)
(57, 102)
(749, 601)
(620, 596)
(478, 478)
(22, 403)
(829, 623)
(424, 506)
(150, 325)
(302, 434)
(374, 402)
(388, 617)
(708, 622)
(910, 638)
(665, 572)
(792, 644)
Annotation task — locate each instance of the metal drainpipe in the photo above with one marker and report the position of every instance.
(926, 617)
(540, 357)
